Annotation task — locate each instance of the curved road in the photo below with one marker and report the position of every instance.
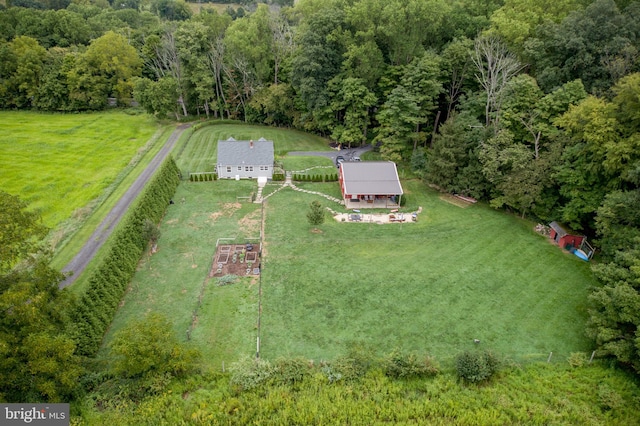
(106, 227)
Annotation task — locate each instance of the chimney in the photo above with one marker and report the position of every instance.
(250, 144)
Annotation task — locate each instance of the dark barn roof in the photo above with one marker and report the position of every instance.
(371, 178)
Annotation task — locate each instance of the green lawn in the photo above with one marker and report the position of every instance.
(198, 154)
(171, 280)
(431, 286)
(59, 163)
(309, 165)
(436, 285)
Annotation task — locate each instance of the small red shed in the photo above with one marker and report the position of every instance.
(566, 239)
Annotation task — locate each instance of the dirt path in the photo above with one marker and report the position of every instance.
(106, 227)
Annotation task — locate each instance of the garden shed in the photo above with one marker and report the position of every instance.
(245, 159)
(565, 237)
(370, 184)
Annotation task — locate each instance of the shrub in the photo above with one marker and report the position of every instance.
(609, 398)
(149, 347)
(347, 368)
(290, 371)
(227, 279)
(249, 372)
(151, 232)
(332, 373)
(315, 216)
(399, 365)
(577, 359)
(476, 367)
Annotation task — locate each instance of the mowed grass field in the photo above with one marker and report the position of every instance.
(173, 280)
(433, 286)
(199, 153)
(59, 163)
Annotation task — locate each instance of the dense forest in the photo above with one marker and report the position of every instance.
(532, 106)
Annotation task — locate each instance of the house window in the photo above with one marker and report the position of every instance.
(228, 169)
(239, 168)
(264, 168)
(248, 168)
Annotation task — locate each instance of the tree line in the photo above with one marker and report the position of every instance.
(45, 332)
(531, 106)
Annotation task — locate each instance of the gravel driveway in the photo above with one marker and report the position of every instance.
(106, 227)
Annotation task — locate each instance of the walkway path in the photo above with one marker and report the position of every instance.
(289, 183)
(106, 227)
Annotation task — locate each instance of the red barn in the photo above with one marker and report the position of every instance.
(565, 238)
(370, 184)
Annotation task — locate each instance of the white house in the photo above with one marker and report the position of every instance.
(245, 159)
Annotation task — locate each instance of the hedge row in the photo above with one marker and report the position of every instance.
(315, 178)
(203, 177)
(96, 308)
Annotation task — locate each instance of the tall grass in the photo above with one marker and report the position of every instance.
(537, 394)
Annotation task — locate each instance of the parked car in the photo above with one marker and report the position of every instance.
(339, 160)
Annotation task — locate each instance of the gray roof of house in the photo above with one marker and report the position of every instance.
(371, 178)
(233, 152)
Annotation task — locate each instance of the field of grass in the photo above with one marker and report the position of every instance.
(172, 280)
(70, 236)
(431, 286)
(309, 165)
(199, 153)
(59, 163)
(436, 285)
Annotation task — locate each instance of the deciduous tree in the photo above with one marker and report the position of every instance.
(495, 66)
(398, 119)
(150, 347)
(37, 360)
